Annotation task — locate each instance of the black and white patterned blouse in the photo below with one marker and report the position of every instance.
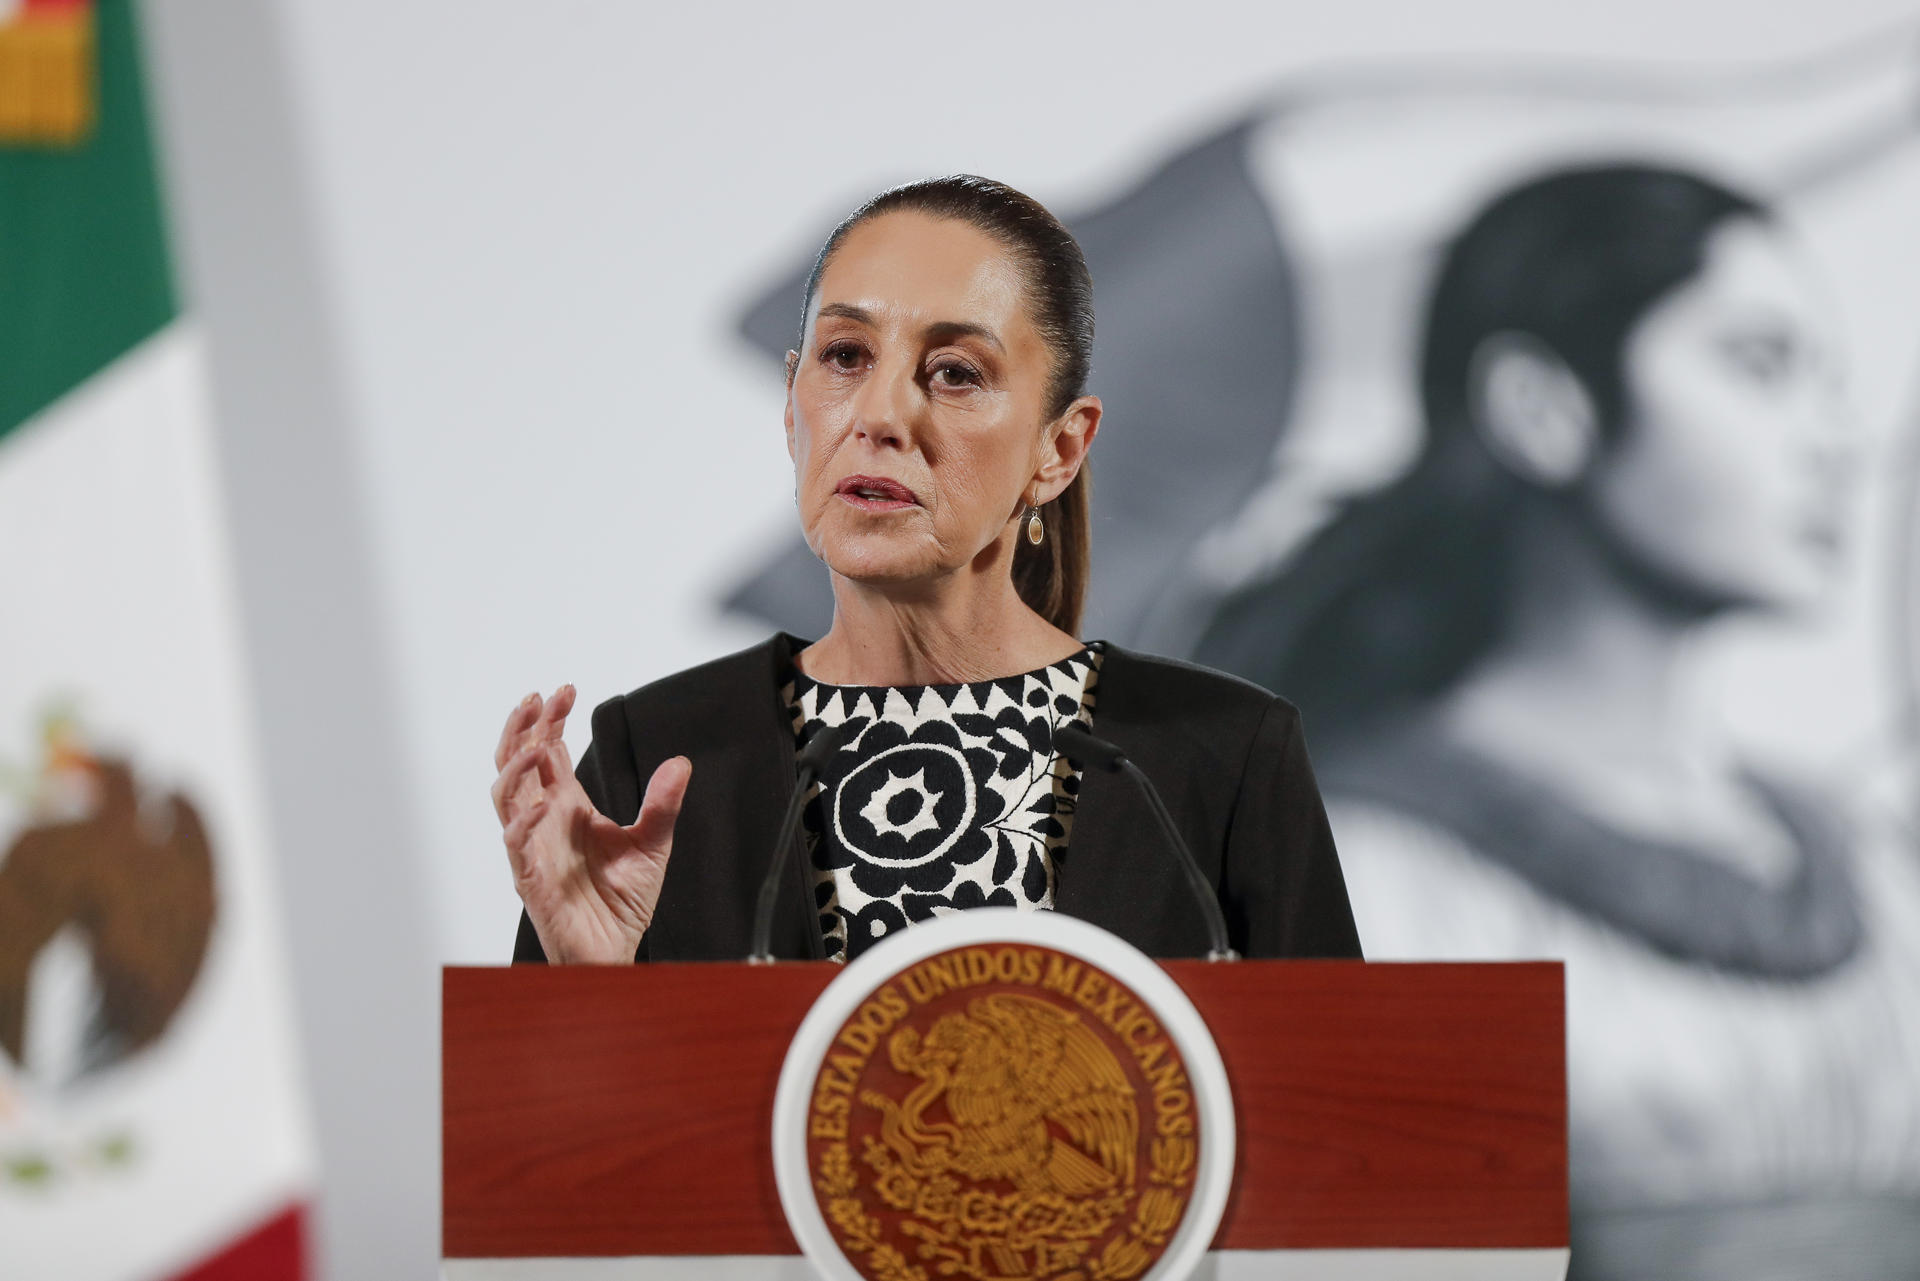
(944, 796)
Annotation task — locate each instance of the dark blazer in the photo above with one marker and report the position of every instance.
(1227, 756)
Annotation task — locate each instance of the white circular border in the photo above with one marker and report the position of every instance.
(1213, 1100)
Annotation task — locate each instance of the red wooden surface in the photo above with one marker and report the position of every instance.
(628, 1110)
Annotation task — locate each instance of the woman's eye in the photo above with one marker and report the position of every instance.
(956, 374)
(1764, 359)
(843, 355)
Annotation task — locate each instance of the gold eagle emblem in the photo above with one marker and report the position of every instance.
(995, 1133)
(1006, 1068)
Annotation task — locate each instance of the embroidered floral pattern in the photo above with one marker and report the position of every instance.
(944, 797)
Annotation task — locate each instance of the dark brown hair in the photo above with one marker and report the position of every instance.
(1051, 578)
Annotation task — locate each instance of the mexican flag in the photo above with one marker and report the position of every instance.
(152, 1121)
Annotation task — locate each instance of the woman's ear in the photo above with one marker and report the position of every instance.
(1531, 410)
(793, 367)
(1065, 448)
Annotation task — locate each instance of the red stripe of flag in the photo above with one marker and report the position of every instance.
(274, 1251)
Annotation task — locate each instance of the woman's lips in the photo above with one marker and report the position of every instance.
(875, 493)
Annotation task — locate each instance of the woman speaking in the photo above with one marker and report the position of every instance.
(939, 423)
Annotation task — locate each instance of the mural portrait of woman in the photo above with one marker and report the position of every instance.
(1635, 426)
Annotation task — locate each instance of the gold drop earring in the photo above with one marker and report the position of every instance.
(1036, 532)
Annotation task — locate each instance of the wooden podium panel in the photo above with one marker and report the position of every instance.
(627, 1111)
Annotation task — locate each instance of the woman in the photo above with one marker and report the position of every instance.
(1634, 430)
(939, 423)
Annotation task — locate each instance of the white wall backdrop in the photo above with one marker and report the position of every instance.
(521, 237)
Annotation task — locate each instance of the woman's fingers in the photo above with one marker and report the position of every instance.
(525, 777)
(516, 836)
(507, 782)
(535, 717)
(553, 723)
(553, 716)
(653, 829)
(524, 713)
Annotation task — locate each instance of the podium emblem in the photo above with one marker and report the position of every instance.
(999, 1095)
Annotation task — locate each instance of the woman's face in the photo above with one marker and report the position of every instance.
(915, 410)
(1730, 476)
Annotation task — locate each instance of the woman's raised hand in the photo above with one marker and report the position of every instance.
(589, 884)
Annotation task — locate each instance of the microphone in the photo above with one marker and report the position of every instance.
(820, 749)
(1078, 745)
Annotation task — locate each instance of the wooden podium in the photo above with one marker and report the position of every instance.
(1394, 1120)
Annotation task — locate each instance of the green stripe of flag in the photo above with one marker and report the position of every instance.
(84, 269)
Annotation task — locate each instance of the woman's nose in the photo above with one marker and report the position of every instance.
(1833, 449)
(884, 409)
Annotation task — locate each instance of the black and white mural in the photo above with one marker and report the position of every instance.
(1549, 435)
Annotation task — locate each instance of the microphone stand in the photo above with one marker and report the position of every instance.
(813, 757)
(1081, 746)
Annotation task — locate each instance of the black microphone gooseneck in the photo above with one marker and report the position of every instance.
(1078, 745)
(818, 751)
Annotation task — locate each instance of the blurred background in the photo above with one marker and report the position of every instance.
(1529, 392)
